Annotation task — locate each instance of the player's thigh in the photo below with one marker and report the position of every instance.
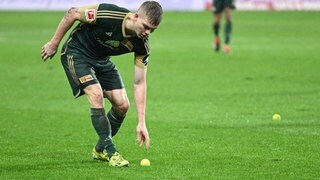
(217, 18)
(112, 85)
(108, 76)
(79, 73)
(94, 95)
(228, 13)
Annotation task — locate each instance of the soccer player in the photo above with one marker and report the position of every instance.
(221, 6)
(106, 30)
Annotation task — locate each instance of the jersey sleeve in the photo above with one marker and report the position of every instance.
(141, 54)
(89, 13)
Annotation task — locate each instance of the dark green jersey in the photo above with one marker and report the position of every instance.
(101, 33)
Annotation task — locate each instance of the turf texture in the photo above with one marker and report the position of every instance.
(209, 114)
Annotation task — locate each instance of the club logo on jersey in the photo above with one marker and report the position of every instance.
(90, 14)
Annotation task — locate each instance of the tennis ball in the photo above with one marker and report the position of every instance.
(276, 117)
(145, 162)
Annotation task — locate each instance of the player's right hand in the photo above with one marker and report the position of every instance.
(143, 136)
(48, 51)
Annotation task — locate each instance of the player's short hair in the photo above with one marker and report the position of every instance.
(152, 10)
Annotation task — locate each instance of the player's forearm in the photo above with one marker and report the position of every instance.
(140, 97)
(140, 92)
(64, 25)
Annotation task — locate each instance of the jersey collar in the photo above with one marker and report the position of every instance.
(124, 28)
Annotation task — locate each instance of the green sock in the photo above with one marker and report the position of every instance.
(102, 127)
(216, 27)
(115, 121)
(228, 30)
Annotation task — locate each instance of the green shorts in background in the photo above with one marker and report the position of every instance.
(220, 5)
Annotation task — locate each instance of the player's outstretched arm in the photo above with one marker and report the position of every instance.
(140, 92)
(50, 48)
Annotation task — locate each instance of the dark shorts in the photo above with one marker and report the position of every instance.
(220, 5)
(83, 71)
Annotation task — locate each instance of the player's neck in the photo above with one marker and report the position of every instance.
(129, 26)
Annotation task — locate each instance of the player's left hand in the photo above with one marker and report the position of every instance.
(48, 51)
(143, 136)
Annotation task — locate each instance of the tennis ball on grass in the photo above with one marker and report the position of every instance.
(145, 162)
(276, 117)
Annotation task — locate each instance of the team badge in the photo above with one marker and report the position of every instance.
(90, 14)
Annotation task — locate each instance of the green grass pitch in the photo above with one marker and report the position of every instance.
(209, 114)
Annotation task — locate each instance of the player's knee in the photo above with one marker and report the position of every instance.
(123, 107)
(96, 100)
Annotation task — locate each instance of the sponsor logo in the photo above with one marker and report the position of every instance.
(90, 14)
(127, 44)
(109, 34)
(112, 44)
(108, 138)
(86, 78)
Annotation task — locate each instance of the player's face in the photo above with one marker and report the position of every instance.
(144, 28)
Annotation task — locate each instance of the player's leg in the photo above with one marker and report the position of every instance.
(216, 29)
(120, 105)
(103, 127)
(217, 10)
(113, 89)
(82, 79)
(228, 29)
(99, 121)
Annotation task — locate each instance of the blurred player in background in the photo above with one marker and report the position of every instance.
(220, 7)
(107, 30)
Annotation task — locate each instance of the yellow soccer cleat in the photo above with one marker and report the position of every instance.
(102, 156)
(117, 160)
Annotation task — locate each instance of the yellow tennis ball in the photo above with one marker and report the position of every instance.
(276, 117)
(145, 162)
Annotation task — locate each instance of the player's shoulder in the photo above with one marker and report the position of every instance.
(112, 7)
(110, 15)
(102, 13)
